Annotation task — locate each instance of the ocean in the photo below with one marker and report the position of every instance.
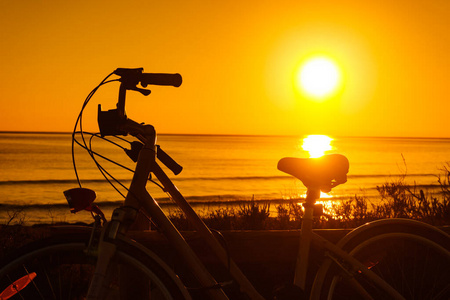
(218, 171)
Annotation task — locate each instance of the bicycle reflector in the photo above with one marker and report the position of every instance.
(17, 286)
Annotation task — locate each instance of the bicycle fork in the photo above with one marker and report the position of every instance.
(107, 249)
(97, 286)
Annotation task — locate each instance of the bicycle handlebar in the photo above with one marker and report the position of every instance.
(161, 79)
(131, 77)
(111, 121)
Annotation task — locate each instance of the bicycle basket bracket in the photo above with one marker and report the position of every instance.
(108, 122)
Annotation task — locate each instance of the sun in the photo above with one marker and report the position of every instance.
(318, 77)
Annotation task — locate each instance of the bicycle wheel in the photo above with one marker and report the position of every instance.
(61, 269)
(416, 265)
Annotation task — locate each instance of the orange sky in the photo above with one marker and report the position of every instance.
(237, 59)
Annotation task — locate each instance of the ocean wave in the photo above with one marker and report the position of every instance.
(389, 175)
(180, 179)
(278, 177)
(203, 201)
(48, 181)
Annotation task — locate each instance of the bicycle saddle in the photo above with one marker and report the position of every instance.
(323, 173)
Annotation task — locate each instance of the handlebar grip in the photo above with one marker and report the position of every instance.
(168, 161)
(161, 79)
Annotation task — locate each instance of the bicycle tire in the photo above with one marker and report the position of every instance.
(412, 257)
(62, 270)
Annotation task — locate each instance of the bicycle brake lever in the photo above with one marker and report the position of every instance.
(142, 91)
(133, 153)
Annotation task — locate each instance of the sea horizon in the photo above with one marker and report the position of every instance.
(244, 135)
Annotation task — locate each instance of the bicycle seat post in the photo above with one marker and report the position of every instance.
(301, 267)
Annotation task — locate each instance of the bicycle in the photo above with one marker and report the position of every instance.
(386, 259)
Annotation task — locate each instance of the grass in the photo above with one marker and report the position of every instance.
(397, 200)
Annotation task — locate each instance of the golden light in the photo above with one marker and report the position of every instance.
(317, 145)
(319, 77)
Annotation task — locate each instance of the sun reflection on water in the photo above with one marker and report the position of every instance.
(317, 145)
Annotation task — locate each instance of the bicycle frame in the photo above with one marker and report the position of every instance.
(139, 199)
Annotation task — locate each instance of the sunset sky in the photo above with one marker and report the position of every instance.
(239, 61)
